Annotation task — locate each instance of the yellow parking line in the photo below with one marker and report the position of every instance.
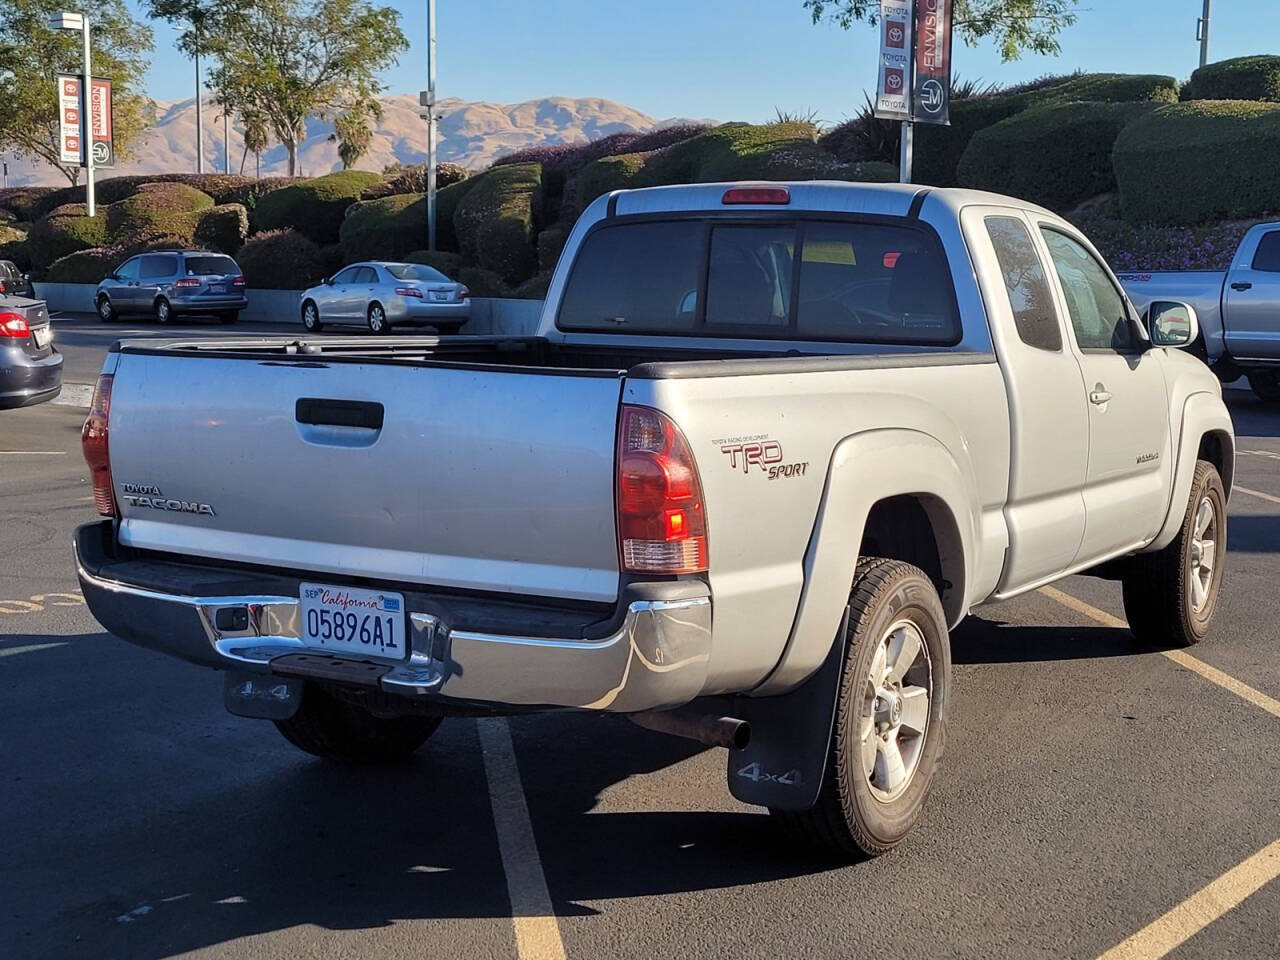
(1256, 493)
(1180, 657)
(537, 933)
(1201, 908)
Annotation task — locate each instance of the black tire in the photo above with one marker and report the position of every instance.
(1265, 385)
(345, 733)
(311, 317)
(376, 316)
(163, 311)
(228, 316)
(448, 329)
(1159, 597)
(106, 312)
(852, 816)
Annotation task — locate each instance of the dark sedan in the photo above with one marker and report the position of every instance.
(13, 282)
(30, 367)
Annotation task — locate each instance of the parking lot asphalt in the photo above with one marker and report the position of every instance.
(1091, 789)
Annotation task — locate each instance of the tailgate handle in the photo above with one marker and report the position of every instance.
(339, 413)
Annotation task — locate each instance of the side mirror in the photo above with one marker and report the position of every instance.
(1172, 323)
(327, 281)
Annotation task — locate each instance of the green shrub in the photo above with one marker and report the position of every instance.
(155, 210)
(313, 207)
(481, 282)
(604, 176)
(494, 220)
(731, 151)
(249, 193)
(64, 230)
(385, 229)
(551, 243)
(399, 178)
(23, 201)
(447, 201)
(450, 264)
(535, 288)
(223, 227)
(280, 260)
(1055, 156)
(1242, 78)
(11, 234)
(938, 149)
(1200, 160)
(84, 266)
(332, 259)
(867, 171)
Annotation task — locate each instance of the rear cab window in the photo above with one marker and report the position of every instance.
(1267, 259)
(847, 280)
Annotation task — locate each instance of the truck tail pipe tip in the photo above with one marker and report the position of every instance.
(704, 727)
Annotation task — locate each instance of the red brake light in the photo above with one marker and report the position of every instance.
(463, 293)
(237, 281)
(756, 195)
(13, 326)
(93, 443)
(188, 282)
(662, 526)
(409, 292)
(890, 259)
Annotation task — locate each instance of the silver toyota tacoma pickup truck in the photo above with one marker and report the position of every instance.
(770, 443)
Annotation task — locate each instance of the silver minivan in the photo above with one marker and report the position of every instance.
(170, 283)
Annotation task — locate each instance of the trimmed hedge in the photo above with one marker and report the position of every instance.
(11, 234)
(938, 149)
(551, 243)
(281, 260)
(222, 187)
(481, 282)
(65, 230)
(413, 179)
(1241, 78)
(314, 207)
(84, 266)
(223, 227)
(450, 264)
(494, 221)
(157, 209)
(1056, 156)
(604, 176)
(18, 252)
(23, 201)
(731, 151)
(1200, 160)
(385, 229)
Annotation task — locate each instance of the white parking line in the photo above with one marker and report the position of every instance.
(537, 933)
(29, 648)
(1256, 493)
(33, 453)
(1201, 908)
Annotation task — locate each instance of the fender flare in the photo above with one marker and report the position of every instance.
(866, 468)
(1203, 413)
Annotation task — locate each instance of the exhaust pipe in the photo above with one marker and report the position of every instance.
(704, 727)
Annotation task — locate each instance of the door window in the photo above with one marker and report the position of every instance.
(128, 270)
(365, 275)
(1267, 259)
(346, 276)
(154, 267)
(1034, 314)
(1097, 310)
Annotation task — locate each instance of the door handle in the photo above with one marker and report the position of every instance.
(1099, 396)
(1242, 285)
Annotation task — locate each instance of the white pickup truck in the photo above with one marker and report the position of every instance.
(771, 442)
(1239, 310)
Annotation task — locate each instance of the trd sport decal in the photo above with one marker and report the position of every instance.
(761, 452)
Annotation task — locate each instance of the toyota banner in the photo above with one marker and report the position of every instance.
(74, 118)
(931, 93)
(893, 87)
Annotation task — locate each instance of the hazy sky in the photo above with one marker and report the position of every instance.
(739, 59)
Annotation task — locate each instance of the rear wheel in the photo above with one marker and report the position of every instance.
(378, 319)
(163, 310)
(1170, 596)
(228, 316)
(106, 312)
(1265, 385)
(346, 733)
(311, 317)
(890, 714)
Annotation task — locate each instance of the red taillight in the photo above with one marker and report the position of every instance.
(662, 525)
(13, 326)
(188, 282)
(237, 281)
(93, 442)
(890, 259)
(756, 195)
(463, 293)
(409, 292)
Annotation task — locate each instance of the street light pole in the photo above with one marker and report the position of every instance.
(86, 119)
(431, 124)
(199, 129)
(1202, 33)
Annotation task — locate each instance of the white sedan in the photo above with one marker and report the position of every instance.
(378, 294)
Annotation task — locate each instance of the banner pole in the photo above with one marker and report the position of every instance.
(904, 152)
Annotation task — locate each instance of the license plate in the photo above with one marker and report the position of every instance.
(43, 335)
(440, 297)
(217, 288)
(347, 620)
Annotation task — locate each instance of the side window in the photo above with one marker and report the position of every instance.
(346, 276)
(1024, 279)
(128, 270)
(749, 280)
(1097, 309)
(1267, 259)
(154, 267)
(366, 275)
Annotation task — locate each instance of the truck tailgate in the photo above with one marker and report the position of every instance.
(482, 479)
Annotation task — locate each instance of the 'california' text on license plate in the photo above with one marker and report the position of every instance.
(352, 620)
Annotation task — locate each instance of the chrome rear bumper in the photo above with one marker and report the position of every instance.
(654, 656)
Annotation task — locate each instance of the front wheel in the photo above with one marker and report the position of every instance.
(311, 317)
(163, 311)
(1265, 385)
(1170, 595)
(346, 733)
(891, 712)
(378, 319)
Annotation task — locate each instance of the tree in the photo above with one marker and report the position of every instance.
(353, 130)
(289, 60)
(1016, 25)
(32, 55)
(256, 138)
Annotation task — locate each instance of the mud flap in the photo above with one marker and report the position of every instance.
(261, 697)
(782, 766)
